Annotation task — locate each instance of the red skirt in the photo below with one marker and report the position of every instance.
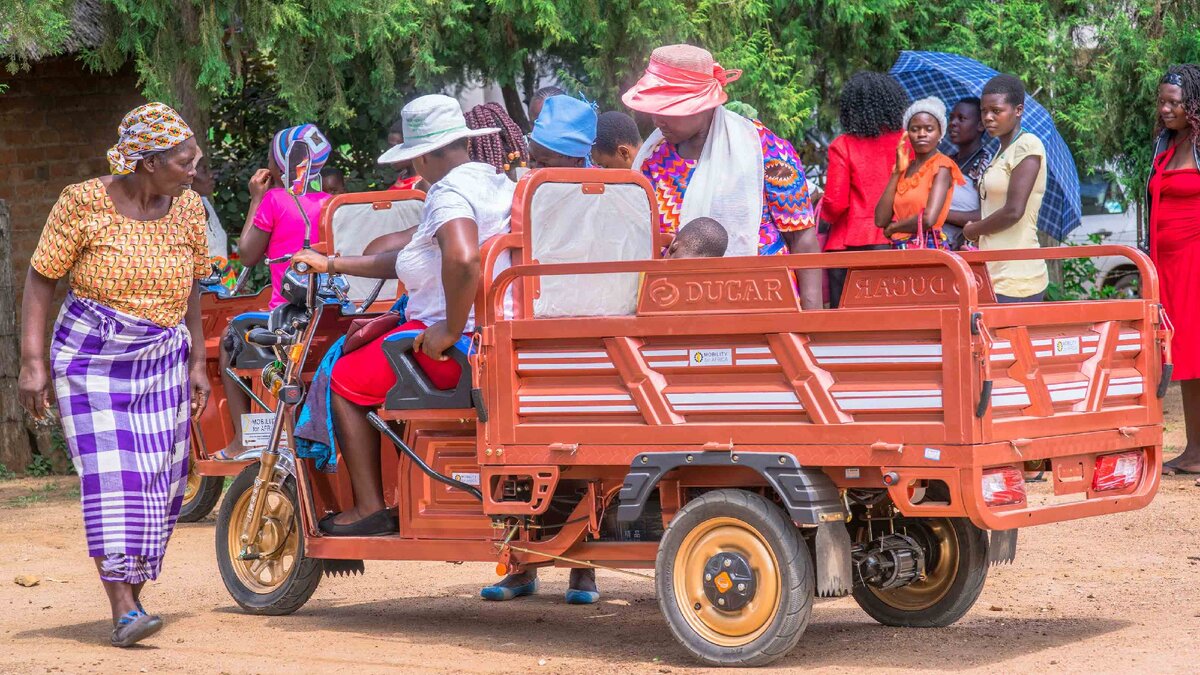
(364, 376)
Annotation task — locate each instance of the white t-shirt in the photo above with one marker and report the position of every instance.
(218, 241)
(473, 190)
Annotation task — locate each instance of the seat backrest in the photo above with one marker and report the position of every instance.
(584, 215)
(351, 221)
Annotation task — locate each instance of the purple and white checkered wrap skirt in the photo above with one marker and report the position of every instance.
(124, 397)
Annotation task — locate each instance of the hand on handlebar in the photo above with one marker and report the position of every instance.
(315, 262)
(435, 341)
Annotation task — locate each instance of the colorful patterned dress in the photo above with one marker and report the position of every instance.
(119, 358)
(786, 205)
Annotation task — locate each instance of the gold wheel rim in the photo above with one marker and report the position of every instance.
(721, 627)
(193, 483)
(278, 542)
(929, 590)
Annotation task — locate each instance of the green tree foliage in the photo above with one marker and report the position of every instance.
(348, 64)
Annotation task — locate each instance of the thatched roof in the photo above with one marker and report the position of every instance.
(87, 30)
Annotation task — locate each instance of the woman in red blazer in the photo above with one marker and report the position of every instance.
(860, 163)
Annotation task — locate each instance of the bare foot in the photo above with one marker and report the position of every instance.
(1188, 461)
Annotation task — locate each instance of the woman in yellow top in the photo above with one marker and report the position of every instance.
(1010, 194)
(134, 244)
(917, 197)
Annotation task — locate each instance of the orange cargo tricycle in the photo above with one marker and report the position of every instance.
(686, 416)
(354, 220)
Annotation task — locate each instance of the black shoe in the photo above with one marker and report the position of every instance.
(378, 524)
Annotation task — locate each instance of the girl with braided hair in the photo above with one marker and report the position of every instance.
(1174, 222)
(506, 150)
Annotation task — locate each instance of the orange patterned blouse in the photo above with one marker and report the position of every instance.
(141, 267)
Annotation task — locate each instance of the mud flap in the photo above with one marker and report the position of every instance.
(1002, 547)
(341, 568)
(834, 576)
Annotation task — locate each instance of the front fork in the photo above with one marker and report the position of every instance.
(289, 393)
(263, 482)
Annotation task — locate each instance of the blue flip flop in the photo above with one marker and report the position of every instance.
(577, 597)
(134, 627)
(500, 593)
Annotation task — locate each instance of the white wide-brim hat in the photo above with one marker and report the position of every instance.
(431, 122)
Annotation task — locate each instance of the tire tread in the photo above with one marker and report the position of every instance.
(797, 592)
(305, 577)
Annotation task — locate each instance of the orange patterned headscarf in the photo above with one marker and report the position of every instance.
(153, 127)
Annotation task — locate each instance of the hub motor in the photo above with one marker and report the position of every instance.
(729, 582)
(890, 561)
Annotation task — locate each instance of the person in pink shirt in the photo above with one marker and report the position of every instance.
(274, 224)
(872, 106)
(274, 229)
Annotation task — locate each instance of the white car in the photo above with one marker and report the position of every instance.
(1107, 214)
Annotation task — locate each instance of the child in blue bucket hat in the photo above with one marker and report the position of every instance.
(563, 134)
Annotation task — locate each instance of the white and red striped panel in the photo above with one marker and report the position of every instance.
(599, 395)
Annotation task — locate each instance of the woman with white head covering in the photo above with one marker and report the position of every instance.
(917, 198)
(706, 160)
(134, 245)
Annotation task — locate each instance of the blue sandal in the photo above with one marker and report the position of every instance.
(577, 597)
(134, 627)
(499, 593)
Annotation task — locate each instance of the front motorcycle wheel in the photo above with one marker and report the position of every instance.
(280, 580)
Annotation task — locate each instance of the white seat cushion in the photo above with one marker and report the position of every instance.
(356, 225)
(569, 225)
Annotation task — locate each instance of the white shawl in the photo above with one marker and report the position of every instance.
(727, 184)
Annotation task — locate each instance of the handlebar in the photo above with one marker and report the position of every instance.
(265, 338)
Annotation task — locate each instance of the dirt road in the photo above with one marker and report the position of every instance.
(1113, 594)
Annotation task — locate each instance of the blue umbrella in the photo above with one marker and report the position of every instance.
(951, 78)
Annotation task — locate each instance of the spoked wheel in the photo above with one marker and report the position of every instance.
(280, 579)
(734, 580)
(956, 566)
(200, 495)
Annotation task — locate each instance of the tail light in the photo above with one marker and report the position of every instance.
(1118, 471)
(1003, 486)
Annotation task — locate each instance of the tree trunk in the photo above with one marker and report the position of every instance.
(16, 451)
(191, 105)
(513, 104)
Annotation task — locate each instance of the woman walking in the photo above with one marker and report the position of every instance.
(134, 244)
(1175, 240)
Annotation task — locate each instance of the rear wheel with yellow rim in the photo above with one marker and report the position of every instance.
(956, 567)
(734, 579)
(200, 495)
(275, 578)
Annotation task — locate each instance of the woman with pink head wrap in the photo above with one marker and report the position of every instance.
(707, 161)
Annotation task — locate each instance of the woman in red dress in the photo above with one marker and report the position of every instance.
(1175, 240)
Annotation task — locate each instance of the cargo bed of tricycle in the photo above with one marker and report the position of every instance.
(618, 409)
